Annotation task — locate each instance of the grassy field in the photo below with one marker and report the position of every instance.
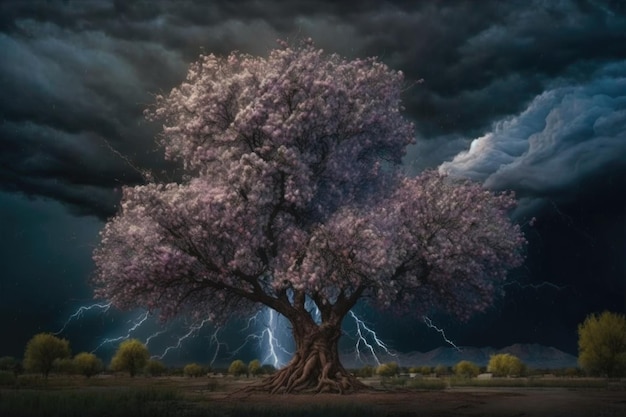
(33, 396)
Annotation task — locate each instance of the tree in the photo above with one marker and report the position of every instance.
(155, 367)
(466, 369)
(193, 370)
(255, 368)
(388, 369)
(505, 364)
(602, 344)
(441, 370)
(293, 197)
(88, 364)
(131, 356)
(237, 368)
(42, 350)
(9, 363)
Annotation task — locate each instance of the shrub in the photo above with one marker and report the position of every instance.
(466, 369)
(194, 370)
(441, 370)
(505, 364)
(87, 364)
(131, 356)
(387, 369)
(366, 372)
(602, 344)
(254, 367)
(155, 367)
(237, 368)
(42, 350)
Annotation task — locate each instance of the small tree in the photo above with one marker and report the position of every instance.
(87, 364)
(366, 372)
(193, 370)
(388, 369)
(131, 356)
(505, 364)
(9, 363)
(64, 366)
(466, 369)
(441, 370)
(602, 344)
(237, 368)
(254, 367)
(42, 350)
(155, 367)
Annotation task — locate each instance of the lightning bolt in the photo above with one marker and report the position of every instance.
(193, 329)
(362, 332)
(81, 310)
(430, 324)
(141, 319)
(537, 286)
(268, 338)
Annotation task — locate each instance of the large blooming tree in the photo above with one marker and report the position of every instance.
(293, 199)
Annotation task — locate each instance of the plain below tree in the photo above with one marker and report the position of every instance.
(42, 351)
(602, 344)
(131, 356)
(293, 198)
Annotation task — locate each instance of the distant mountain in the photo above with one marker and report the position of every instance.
(533, 355)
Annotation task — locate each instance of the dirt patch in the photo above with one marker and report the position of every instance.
(451, 402)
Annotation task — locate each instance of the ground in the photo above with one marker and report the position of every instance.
(226, 396)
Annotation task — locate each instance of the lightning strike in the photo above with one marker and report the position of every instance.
(430, 324)
(135, 325)
(81, 310)
(268, 338)
(362, 332)
(192, 331)
(537, 286)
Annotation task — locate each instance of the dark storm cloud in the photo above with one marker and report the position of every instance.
(566, 137)
(76, 76)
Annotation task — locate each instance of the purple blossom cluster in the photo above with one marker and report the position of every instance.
(295, 191)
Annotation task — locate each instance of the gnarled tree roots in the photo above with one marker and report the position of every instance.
(315, 372)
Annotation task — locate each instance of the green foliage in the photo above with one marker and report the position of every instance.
(602, 344)
(441, 370)
(366, 372)
(42, 350)
(268, 369)
(88, 364)
(9, 363)
(155, 368)
(7, 378)
(131, 356)
(387, 369)
(505, 364)
(466, 369)
(194, 370)
(64, 366)
(237, 368)
(254, 367)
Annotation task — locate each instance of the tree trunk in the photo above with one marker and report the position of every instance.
(315, 365)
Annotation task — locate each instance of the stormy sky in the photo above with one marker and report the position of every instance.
(527, 96)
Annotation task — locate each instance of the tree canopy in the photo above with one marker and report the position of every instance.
(602, 344)
(293, 193)
(131, 356)
(42, 350)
